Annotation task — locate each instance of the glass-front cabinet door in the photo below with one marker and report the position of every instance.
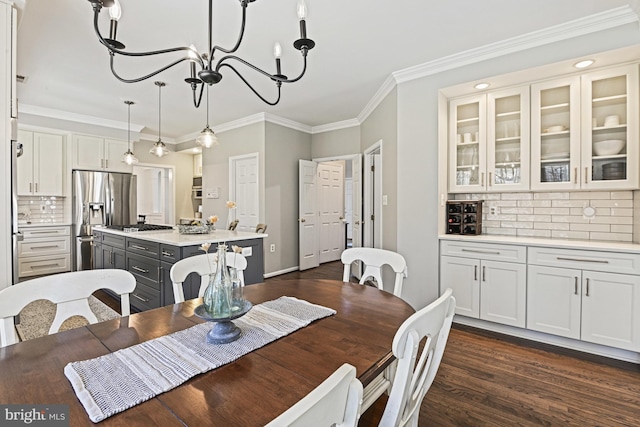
(508, 139)
(555, 134)
(467, 144)
(610, 128)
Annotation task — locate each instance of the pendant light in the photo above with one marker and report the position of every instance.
(159, 149)
(129, 158)
(207, 138)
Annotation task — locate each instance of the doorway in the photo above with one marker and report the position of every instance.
(373, 199)
(155, 188)
(244, 190)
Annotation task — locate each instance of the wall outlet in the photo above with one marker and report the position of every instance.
(272, 247)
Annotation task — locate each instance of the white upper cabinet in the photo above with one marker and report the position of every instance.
(93, 153)
(40, 168)
(197, 165)
(489, 141)
(508, 139)
(555, 134)
(610, 129)
(467, 144)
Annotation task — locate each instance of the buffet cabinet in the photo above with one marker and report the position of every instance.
(44, 250)
(577, 132)
(587, 295)
(151, 262)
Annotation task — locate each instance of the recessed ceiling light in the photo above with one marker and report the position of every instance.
(482, 85)
(196, 149)
(584, 64)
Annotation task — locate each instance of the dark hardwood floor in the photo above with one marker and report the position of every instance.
(488, 379)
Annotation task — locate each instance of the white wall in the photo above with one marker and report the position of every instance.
(5, 143)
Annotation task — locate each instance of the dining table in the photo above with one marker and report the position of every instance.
(249, 391)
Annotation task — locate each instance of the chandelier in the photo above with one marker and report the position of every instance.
(206, 67)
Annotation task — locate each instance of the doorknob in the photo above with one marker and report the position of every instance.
(357, 223)
(302, 220)
(341, 218)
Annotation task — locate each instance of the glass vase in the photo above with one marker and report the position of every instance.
(217, 296)
(237, 299)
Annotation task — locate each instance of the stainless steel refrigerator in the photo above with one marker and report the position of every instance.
(99, 198)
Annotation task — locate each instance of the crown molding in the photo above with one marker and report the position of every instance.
(590, 24)
(272, 118)
(344, 124)
(74, 117)
(145, 136)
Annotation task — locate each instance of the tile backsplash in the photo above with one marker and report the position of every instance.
(40, 210)
(601, 215)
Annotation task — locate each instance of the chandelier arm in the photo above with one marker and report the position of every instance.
(197, 103)
(139, 79)
(240, 36)
(251, 87)
(114, 50)
(221, 63)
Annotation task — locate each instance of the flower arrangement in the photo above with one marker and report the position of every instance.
(211, 222)
(230, 205)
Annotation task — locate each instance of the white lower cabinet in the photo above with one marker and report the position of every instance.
(44, 250)
(488, 280)
(593, 306)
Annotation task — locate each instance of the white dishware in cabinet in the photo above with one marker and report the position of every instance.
(467, 148)
(508, 139)
(40, 168)
(610, 109)
(555, 134)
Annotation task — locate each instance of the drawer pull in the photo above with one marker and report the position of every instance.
(141, 270)
(600, 261)
(575, 285)
(35, 267)
(484, 271)
(165, 253)
(44, 247)
(587, 293)
(140, 298)
(142, 248)
(475, 272)
(478, 251)
(44, 232)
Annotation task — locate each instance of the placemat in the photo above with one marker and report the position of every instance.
(117, 381)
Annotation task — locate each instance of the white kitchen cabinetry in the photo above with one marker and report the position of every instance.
(197, 165)
(40, 168)
(488, 280)
(44, 250)
(489, 140)
(555, 134)
(94, 153)
(593, 296)
(610, 113)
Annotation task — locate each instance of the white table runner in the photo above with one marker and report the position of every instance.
(118, 381)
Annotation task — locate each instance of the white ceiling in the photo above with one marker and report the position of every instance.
(359, 43)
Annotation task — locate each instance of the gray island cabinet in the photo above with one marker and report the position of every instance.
(149, 256)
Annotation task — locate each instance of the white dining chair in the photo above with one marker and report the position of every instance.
(335, 402)
(374, 259)
(412, 380)
(69, 291)
(204, 265)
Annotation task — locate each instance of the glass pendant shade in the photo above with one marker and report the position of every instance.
(159, 149)
(129, 158)
(207, 138)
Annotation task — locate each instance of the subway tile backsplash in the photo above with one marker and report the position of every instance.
(40, 210)
(561, 215)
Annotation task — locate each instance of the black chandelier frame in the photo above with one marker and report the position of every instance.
(210, 68)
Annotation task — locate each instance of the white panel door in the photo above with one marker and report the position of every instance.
(24, 164)
(87, 152)
(113, 152)
(48, 161)
(503, 289)
(462, 275)
(246, 193)
(356, 215)
(331, 211)
(308, 215)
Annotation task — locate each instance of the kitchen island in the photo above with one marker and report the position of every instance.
(149, 256)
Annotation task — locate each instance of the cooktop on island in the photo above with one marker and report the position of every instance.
(139, 227)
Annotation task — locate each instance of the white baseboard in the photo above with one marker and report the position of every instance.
(600, 350)
(279, 272)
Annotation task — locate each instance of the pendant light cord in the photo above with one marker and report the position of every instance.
(159, 111)
(207, 105)
(129, 127)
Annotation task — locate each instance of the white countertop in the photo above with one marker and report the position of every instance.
(592, 245)
(172, 237)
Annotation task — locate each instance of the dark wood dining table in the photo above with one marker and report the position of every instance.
(250, 391)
